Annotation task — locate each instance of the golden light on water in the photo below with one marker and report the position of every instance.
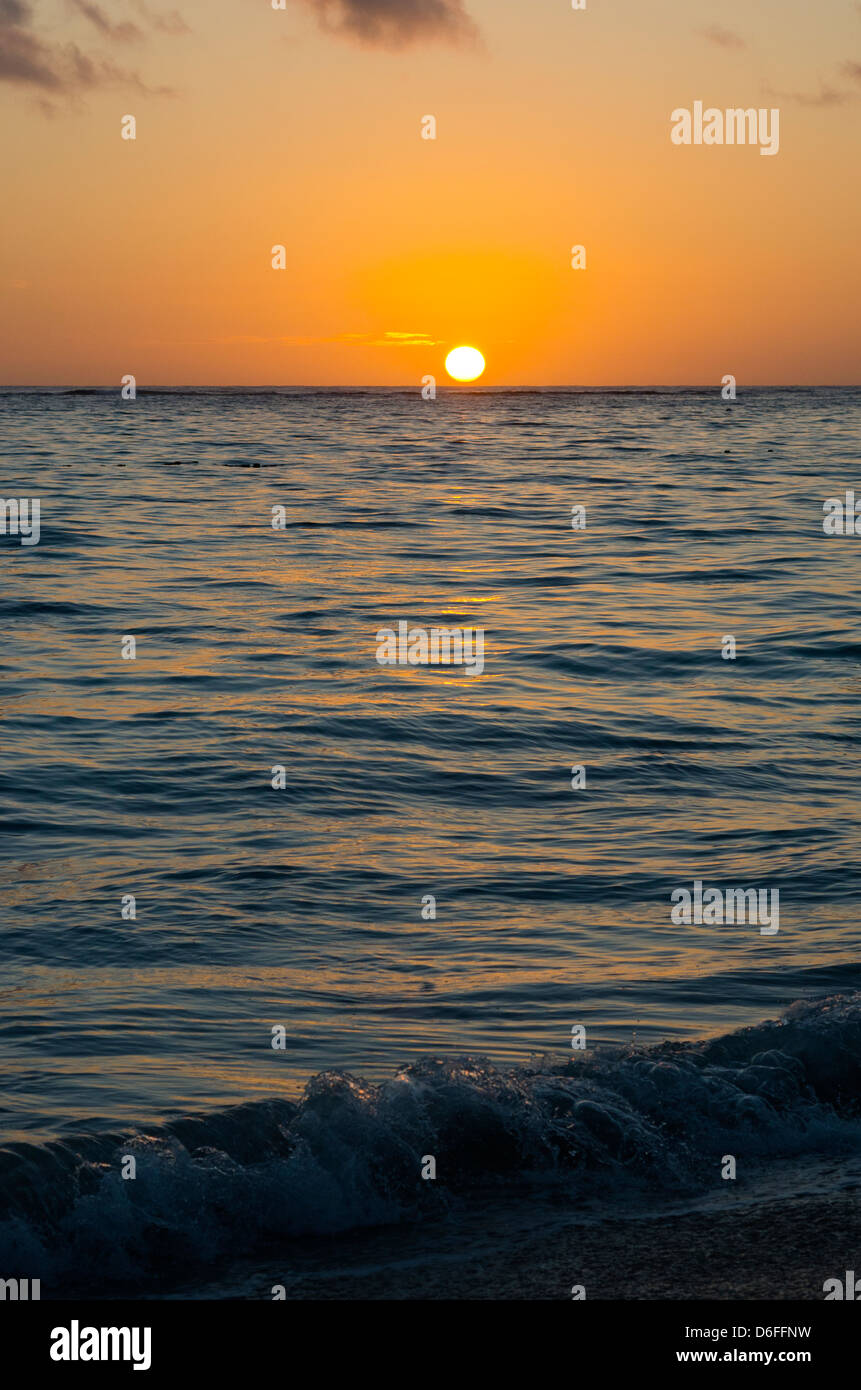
(464, 363)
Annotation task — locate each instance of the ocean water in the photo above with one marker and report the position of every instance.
(301, 907)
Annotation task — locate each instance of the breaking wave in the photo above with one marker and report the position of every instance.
(349, 1153)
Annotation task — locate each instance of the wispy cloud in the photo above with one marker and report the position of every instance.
(826, 96)
(393, 339)
(125, 32)
(724, 38)
(405, 340)
(23, 58)
(170, 23)
(52, 69)
(396, 23)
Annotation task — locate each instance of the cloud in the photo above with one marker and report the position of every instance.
(405, 340)
(125, 32)
(395, 23)
(826, 96)
(14, 12)
(341, 340)
(23, 57)
(724, 38)
(171, 23)
(53, 69)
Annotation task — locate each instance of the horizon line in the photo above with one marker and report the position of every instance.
(454, 387)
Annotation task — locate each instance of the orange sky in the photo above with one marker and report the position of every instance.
(258, 127)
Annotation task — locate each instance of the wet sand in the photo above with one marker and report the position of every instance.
(778, 1250)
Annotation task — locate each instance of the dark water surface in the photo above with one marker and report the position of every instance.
(255, 647)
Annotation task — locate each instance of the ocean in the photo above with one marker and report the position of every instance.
(387, 954)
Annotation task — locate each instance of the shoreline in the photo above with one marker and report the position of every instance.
(780, 1250)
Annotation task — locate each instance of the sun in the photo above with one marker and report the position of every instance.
(464, 363)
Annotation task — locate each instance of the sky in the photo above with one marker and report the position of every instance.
(301, 127)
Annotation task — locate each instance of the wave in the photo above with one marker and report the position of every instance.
(350, 1153)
